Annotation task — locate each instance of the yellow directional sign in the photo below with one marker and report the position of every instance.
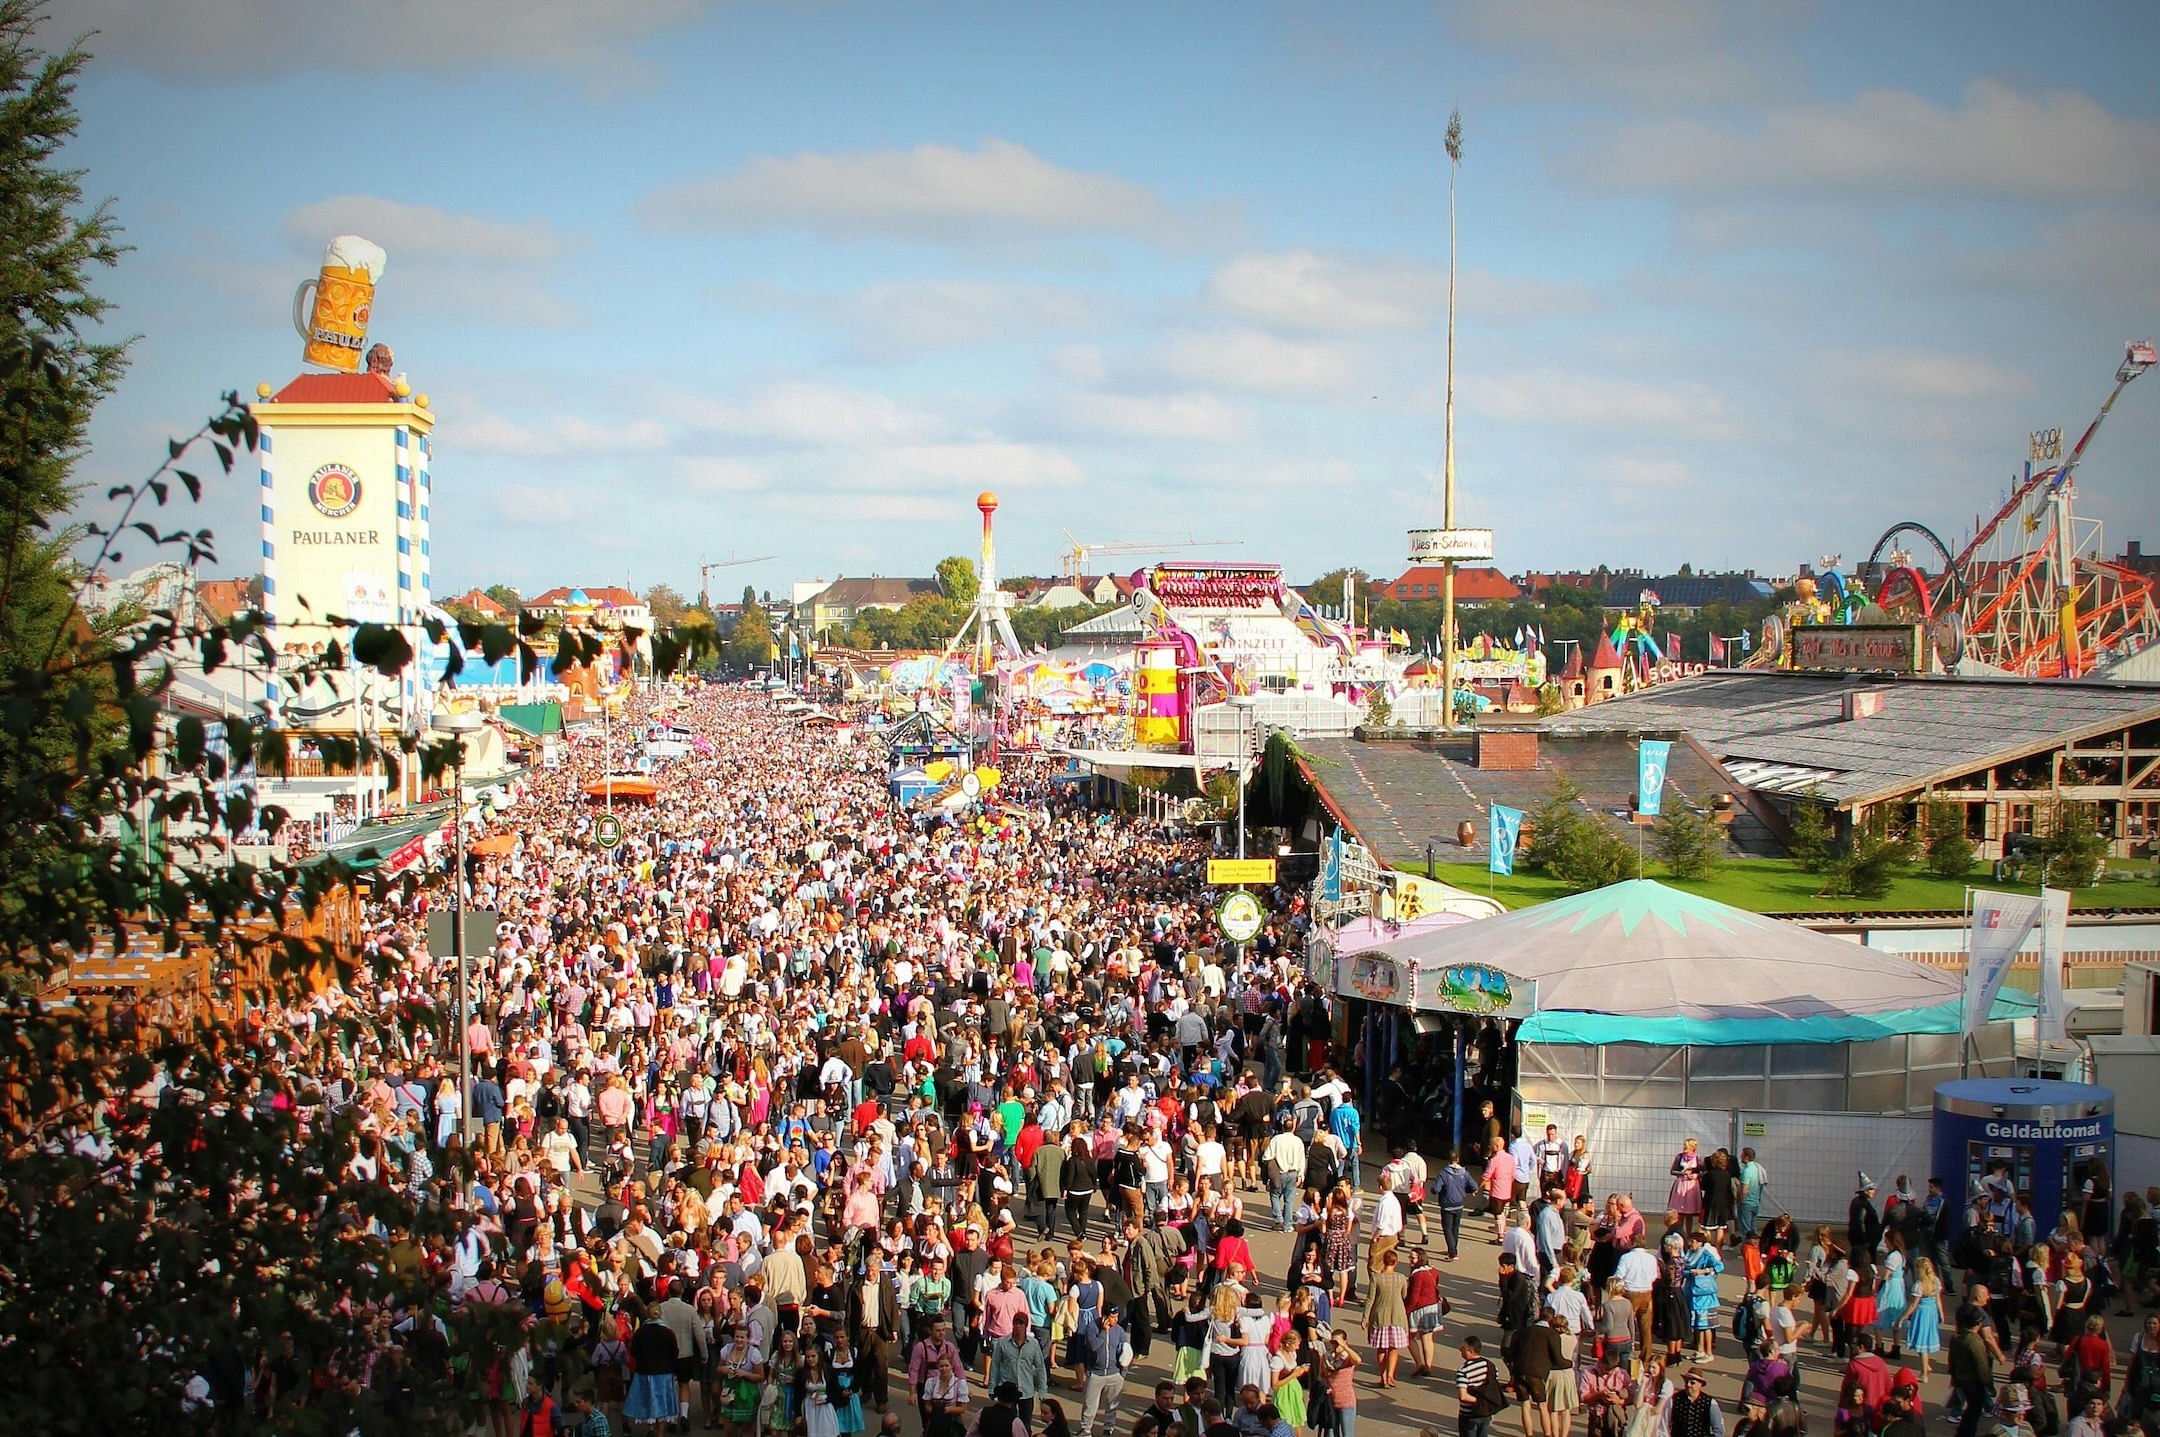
(1222, 872)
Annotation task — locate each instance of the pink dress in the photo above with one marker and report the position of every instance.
(1686, 1195)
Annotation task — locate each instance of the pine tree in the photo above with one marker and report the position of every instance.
(1688, 843)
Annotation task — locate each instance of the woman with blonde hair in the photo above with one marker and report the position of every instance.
(1923, 1318)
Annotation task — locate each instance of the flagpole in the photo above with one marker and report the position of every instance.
(1447, 500)
(1965, 1038)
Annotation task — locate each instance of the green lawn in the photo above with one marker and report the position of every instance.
(1779, 885)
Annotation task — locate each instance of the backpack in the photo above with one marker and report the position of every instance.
(1748, 1321)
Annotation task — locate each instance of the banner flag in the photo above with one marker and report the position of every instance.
(1506, 828)
(1331, 870)
(1650, 775)
(2001, 922)
(2054, 928)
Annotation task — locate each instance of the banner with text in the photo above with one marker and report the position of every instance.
(1650, 775)
(2001, 922)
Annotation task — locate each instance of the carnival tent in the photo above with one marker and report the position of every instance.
(1638, 962)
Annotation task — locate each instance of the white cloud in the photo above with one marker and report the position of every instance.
(1082, 363)
(1647, 472)
(707, 474)
(893, 320)
(986, 464)
(1159, 416)
(531, 506)
(1996, 141)
(805, 414)
(1272, 474)
(1577, 399)
(421, 231)
(1923, 374)
(561, 435)
(1346, 293)
(194, 40)
(1654, 53)
(1256, 360)
(932, 192)
(1303, 290)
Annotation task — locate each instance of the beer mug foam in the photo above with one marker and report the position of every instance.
(335, 330)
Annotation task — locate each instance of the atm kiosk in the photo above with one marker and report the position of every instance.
(2003, 1136)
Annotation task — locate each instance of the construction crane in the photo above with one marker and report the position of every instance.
(1077, 554)
(705, 576)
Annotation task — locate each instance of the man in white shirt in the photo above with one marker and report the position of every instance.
(1284, 1159)
(560, 1149)
(1638, 1272)
(1520, 1245)
(1387, 1223)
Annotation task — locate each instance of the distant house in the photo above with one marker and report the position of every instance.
(478, 601)
(835, 606)
(1592, 580)
(221, 599)
(1082, 593)
(1479, 585)
(2134, 558)
(1678, 594)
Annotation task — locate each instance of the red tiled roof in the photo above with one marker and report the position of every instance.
(336, 389)
(1606, 657)
(222, 598)
(1472, 585)
(478, 601)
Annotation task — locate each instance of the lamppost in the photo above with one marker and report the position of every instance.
(459, 726)
(1243, 703)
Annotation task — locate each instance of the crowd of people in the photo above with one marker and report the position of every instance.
(796, 1114)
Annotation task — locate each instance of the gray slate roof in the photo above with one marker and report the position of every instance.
(1786, 731)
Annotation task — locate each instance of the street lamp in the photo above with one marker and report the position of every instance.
(460, 726)
(1243, 703)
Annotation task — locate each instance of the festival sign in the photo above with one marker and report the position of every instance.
(1437, 546)
(1475, 989)
(1860, 648)
(1228, 872)
(1240, 917)
(607, 830)
(1372, 975)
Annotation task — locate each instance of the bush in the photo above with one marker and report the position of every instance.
(1875, 859)
(1570, 844)
(1809, 824)
(1690, 844)
(1379, 713)
(2074, 850)
(1945, 850)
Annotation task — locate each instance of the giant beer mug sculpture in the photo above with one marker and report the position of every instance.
(336, 327)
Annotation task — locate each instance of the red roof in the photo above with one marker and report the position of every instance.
(1606, 657)
(223, 598)
(1472, 585)
(336, 389)
(478, 601)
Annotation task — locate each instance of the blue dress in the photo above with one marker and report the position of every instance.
(1890, 1298)
(1703, 1266)
(1923, 1333)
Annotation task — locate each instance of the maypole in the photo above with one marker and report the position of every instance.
(1447, 481)
(1448, 545)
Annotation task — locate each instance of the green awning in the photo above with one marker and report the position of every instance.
(539, 720)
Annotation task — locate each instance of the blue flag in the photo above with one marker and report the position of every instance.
(1331, 870)
(1650, 775)
(1506, 828)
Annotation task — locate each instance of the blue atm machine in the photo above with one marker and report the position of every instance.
(2025, 1135)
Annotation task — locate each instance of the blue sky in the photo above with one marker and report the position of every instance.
(1740, 284)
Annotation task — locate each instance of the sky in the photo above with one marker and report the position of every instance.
(685, 281)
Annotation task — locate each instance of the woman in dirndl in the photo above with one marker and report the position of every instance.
(652, 1390)
(741, 1379)
(1684, 1202)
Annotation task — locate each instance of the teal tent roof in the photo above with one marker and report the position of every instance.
(1639, 962)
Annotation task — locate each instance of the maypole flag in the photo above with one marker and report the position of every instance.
(1650, 775)
(2054, 928)
(1717, 649)
(1331, 870)
(2001, 922)
(1506, 828)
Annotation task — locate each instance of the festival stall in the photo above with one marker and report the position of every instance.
(1656, 1014)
